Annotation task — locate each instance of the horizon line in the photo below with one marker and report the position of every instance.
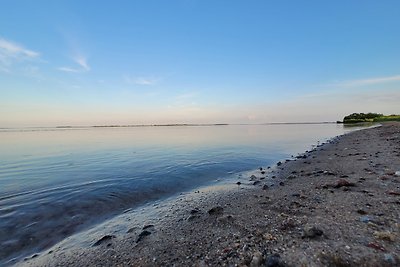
(159, 125)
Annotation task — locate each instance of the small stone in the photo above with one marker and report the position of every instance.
(365, 219)
(265, 187)
(281, 183)
(343, 182)
(218, 210)
(225, 219)
(103, 239)
(385, 235)
(274, 261)
(194, 211)
(279, 163)
(238, 183)
(256, 260)
(142, 235)
(311, 232)
(192, 217)
(256, 182)
(253, 177)
(147, 226)
(389, 258)
(290, 177)
(397, 173)
(362, 212)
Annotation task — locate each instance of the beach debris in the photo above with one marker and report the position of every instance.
(142, 235)
(376, 246)
(218, 210)
(103, 239)
(257, 259)
(394, 193)
(343, 182)
(274, 260)
(384, 235)
(311, 232)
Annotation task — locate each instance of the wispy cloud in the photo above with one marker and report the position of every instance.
(11, 53)
(82, 63)
(368, 81)
(142, 80)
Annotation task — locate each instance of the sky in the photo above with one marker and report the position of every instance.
(196, 61)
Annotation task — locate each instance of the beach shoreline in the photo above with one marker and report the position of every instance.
(336, 205)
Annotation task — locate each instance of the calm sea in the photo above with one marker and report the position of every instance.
(55, 182)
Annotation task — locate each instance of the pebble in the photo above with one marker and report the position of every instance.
(343, 182)
(253, 177)
(397, 173)
(384, 235)
(103, 239)
(256, 260)
(265, 187)
(225, 219)
(274, 261)
(365, 219)
(362, 212)
(389, 258)
(311, 232)
(147, 226)
(142, 235)
(216, 210)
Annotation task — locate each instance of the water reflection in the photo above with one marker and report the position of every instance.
(54, 182)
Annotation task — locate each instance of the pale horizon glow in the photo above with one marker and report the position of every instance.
(196, 62)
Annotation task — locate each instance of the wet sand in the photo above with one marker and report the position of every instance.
(338, 205)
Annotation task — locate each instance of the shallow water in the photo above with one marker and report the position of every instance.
(55, 182)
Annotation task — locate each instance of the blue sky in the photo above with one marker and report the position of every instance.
(188, 61)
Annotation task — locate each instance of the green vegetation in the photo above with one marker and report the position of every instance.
(369, 117)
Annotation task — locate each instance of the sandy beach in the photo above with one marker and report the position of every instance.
(337, 205)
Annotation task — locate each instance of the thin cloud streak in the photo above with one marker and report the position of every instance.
(79, 60)
(370, 81)
(12, 53)
(142, 80)
(11, 49)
